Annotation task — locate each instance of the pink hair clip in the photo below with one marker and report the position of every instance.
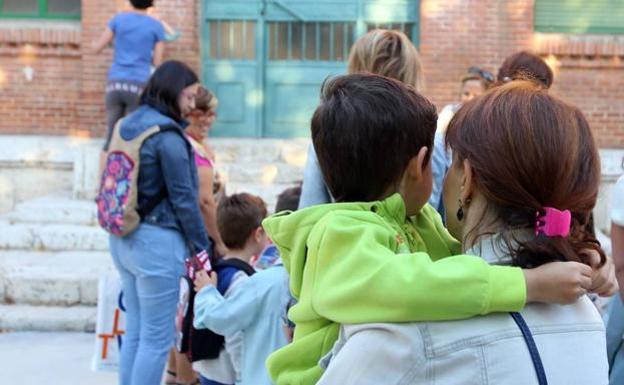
(553, 223)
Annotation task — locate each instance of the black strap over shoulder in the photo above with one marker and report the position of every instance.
(204, 343)
(236, 263)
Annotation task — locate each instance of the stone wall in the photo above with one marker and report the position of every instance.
(34, 166)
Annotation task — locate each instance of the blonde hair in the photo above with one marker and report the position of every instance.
(389, 53)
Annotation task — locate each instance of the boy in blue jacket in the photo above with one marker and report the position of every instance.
(238, 218)
(256, 310)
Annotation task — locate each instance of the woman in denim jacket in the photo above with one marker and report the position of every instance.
(540, 155)
(151, 259)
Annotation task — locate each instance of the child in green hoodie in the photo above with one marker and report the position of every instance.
(381, 254)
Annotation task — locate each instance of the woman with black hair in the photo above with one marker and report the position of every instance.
(150, 260)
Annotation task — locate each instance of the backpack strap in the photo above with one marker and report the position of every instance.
(162, 194)
(236, 263)
(533, 351)
(226, 269)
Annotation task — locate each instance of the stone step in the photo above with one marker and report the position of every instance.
(55, 208)
(52, 278)
(52, 237)
(237, 150)
(260, 173)
(15, 318)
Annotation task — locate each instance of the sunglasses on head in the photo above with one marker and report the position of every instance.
(483, 74)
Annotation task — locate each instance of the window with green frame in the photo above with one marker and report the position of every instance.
(40, 9)
(582, 17)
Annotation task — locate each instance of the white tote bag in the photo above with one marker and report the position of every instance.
(110, 324)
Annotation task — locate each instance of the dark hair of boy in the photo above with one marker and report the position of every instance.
(288, 200)
(238, 215)
(142, 4)
(366, 130)
(165, 86)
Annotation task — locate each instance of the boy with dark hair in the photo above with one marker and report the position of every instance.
(288, 199)
(254, 309)
(377, 255)
(239, 219)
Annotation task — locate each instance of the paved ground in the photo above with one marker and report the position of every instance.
(31, 358)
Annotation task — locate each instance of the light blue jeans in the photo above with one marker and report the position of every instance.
(150, 262)
(615, 344)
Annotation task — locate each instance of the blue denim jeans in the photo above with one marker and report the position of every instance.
(204, 381)
(615, 344)
(150, 262)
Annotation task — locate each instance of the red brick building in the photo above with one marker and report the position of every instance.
(51, 84)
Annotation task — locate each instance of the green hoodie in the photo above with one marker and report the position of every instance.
(363, 263)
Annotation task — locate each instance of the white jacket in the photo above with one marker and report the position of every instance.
(482, 350)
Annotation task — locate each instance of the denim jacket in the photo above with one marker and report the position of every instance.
(476, 351)
(167, 161)
(313, 191)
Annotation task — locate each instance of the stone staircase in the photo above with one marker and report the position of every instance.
(51, 255)
(52, 252)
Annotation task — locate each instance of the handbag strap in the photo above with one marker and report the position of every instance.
(535, 356)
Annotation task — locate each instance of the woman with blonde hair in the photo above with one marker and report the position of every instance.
(389, 53)
(380, 51)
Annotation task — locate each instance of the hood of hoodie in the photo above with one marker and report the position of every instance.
(289, 231)
(143, 118)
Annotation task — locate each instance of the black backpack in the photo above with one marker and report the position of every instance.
(202, 344)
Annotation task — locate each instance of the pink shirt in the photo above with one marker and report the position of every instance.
(201, 161)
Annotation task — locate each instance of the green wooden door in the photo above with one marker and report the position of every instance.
(266, 59)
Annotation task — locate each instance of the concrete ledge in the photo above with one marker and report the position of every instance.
(52, 278)
(52, 237)
(54, 209)
(46, 318)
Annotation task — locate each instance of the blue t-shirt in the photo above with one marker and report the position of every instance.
(135, 38)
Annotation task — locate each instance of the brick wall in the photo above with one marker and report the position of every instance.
(66, 93)
(589, 72)
(36, 105)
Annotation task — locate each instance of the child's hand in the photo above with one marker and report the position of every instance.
(604, 282)
(203, 279)
(558, 282)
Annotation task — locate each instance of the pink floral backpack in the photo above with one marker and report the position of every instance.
(117, 207)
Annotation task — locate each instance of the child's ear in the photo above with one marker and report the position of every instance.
(467, 186)
(259, 234)
(416, 166)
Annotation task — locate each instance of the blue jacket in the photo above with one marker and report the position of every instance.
(313, 191)
(256, 309)
(441, 161)
(167, 161)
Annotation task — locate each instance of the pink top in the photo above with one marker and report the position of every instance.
(201, 161)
